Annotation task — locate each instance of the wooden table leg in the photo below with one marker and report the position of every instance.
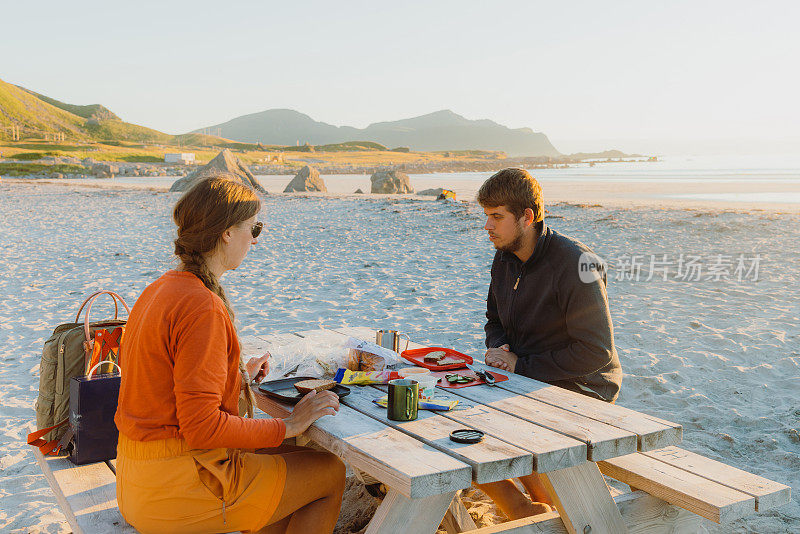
(402, 515)
(457, 519)
(583, 500)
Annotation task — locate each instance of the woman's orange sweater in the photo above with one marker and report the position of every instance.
(180, 371)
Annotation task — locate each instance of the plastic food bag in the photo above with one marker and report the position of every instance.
(315, 357)
(319, 355)
(367, 356)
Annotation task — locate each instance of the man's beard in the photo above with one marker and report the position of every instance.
(515, 243)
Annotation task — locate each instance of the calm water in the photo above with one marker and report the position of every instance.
(773, 172)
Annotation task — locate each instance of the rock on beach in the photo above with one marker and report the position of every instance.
(390, 182)
(308, 179)
(226, 165)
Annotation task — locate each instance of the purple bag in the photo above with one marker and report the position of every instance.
(92, 405)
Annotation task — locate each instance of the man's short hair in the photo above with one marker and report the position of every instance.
(516, 189)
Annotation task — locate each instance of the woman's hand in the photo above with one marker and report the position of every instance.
(258, 367)
(310, 408)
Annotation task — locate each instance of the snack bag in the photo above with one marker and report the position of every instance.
(346, 377)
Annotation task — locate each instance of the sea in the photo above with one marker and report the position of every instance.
(725, 177)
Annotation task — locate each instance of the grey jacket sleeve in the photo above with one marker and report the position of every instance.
(588, 321)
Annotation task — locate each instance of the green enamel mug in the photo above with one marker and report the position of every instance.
(403, 400)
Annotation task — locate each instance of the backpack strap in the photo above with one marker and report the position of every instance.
(88, 344)
(52, 447)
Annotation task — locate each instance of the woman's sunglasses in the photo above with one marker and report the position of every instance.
(255, 230)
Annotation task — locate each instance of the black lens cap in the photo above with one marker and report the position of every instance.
(466, 435)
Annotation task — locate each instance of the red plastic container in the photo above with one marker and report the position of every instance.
(443, 383)
(417, 357)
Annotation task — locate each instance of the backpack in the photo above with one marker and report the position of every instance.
(71, 351)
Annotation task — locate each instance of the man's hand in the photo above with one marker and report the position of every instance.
(502, 358)
(258, 367)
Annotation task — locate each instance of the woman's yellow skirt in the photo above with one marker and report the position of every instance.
(165, 487)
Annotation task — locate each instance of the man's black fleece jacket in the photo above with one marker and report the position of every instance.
(559, 326)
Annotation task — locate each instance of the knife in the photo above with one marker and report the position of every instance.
(486, 376)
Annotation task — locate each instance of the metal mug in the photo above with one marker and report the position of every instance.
(390, 339)
(403, 400)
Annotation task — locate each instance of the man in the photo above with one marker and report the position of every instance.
(547, 311)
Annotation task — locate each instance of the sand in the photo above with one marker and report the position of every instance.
(722, 357)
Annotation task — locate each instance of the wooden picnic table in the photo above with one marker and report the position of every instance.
(529, 426)
(570, 440)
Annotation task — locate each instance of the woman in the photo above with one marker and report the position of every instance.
(186, 460)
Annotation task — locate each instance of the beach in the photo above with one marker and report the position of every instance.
(715, 347)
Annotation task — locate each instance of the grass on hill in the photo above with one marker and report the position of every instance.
(92, 110)
(40, 116)
(151, 149)
(31, 156)
(47, 146)
(117, 130)
(22, 109)
(350, 146)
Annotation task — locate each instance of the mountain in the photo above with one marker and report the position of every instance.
(441, 130)
(38, 115)
(281, 127)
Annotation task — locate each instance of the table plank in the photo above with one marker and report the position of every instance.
(602, 440)
(359, 332)
(550, 450)
(768, 494)
(652, 432)
(87, 494)
(397, 460)
(694, 493)
(491, 460)
(257, 345)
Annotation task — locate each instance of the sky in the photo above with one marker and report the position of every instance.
(671, 77)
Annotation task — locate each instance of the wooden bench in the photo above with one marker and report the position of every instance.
(668, 476)
(701, 485)
(87, 494)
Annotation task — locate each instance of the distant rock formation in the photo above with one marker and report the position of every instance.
(307, 179)
(226, 165)
(391, 182)
(358, 191)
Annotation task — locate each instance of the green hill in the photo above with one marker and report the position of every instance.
(87, 112)
(38, 116)
(20, 108)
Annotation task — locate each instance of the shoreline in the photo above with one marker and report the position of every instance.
(592, 192)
